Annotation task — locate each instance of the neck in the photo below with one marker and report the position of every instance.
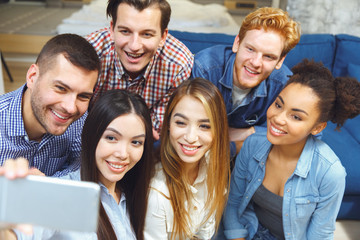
(289, 152)
(191, 171)
(32, 126)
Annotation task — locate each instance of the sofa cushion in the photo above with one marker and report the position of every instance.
(347, 52)
(354, 71)
(345, 144)
(198, 41)
(320, 47)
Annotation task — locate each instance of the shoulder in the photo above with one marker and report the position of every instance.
(176, 52)
(280, 76)
(158, 182)
(101, 41)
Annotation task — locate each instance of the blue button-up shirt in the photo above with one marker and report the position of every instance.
(53, 155)
(312, 194)
(217, 63)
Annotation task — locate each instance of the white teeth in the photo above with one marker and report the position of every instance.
(116, 166)
(134, 55)
(189, 148)
(250, 70)
(59, 116)
(277, 130)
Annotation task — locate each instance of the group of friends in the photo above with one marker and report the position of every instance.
(221, 145)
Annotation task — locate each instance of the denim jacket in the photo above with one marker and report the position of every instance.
(312, 194)
(216, 64)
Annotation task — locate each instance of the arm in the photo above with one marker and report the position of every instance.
(238, 136)
(332, 187)
(155, 220)
(234, 225)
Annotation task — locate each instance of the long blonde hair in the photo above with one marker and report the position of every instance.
(218, 170)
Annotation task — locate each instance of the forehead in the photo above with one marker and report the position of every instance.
(191, 107)
(266, 41)
(148, 18)
(128, 124)
(299, 96)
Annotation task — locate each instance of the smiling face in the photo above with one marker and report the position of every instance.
(190, 130)
(257, 56)
(120, 148)
(58, 97)
(137, 36)
(293, 116)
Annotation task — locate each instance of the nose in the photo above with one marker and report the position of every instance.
(280, 118)
(134, 43)
(256, 60)
(70, 104)
(121, 152)
(191, 135)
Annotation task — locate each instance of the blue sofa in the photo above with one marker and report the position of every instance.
(339, 53)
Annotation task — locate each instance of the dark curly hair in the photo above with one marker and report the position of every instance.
(339, 97)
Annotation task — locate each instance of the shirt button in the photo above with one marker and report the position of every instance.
(195, 208)
(286, 215)
(259, 179)
(288, 190)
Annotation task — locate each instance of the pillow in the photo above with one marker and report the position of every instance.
(354, 71)
(347, 51)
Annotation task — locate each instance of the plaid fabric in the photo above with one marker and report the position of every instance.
(54, 155)
(170, 66)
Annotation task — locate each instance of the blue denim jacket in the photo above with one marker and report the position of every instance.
(312, 194)
(217, 63)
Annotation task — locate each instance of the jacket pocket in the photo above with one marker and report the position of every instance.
(306, 205)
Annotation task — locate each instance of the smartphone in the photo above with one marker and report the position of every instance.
(54, 203)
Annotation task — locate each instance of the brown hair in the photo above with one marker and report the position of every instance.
(218, 170)
(140, 5)
(273, 19)
(339, 97)
(74, 48)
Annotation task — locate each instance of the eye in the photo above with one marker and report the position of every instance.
(124, 31)
(84, 97)
(110, 138)
(148, 35)
(250, 49)
(277, 105)
(205, 126)
(296, 117)
(60, 88)
(180, 123)
(137, 143)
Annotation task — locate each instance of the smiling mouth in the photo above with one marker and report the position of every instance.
(250, 71)
(277, 130)
(189, 148)
(59, 116)
(117, 166)
(132, 55)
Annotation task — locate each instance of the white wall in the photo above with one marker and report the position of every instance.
(326, 16)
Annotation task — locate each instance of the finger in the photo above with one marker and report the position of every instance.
(25, 228)
(22, 167)
(35, 171)
(9, 169)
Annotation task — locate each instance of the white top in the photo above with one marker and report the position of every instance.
(159, 218)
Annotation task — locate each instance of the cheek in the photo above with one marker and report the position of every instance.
(207, 138)
(136, 155)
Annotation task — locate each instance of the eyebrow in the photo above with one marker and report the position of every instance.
(68, 87)
(186, 118)
(119, 27)
(117, 132)
(293, 109)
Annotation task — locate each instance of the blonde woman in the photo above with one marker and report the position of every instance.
(188, 191)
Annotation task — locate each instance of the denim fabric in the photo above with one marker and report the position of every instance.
(263, 234)
(312, 194)
(216, 64)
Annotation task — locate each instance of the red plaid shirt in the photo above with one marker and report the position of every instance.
(170, 66)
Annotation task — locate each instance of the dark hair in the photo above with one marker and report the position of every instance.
(135, 184)
(339, 97)
(74, 48)
(140, 5)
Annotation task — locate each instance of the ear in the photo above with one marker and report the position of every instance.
(112, 30)
(236, 44)
(318, 128)
(163, 38)
(280, 63)
(32, 75)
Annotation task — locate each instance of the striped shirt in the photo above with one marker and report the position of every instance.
(170, 66)
(53, 155)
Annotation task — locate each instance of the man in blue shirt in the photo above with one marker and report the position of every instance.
(250, 74)
(42, 120)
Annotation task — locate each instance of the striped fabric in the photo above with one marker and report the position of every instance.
(54, 155)
(170, 66)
